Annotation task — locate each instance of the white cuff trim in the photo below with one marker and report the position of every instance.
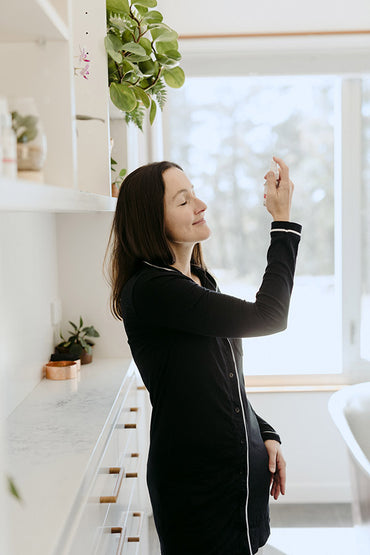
(286, 230)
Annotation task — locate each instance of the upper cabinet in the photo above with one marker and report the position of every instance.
(44, 48)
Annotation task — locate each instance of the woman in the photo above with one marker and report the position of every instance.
(211, 458)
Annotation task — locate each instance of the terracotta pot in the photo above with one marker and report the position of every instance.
(115, 190)
(86, 358)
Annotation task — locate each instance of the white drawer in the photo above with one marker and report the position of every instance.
(124, 537)
(113, 489)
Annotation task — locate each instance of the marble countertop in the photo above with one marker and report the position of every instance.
(52, 435)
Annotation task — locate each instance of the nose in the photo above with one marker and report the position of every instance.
(200, 206)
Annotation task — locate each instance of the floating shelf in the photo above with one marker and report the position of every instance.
(27, 196)
(34, 20)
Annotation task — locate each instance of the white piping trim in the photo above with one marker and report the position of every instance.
(286, 230)
(247, 445)
(159, 267)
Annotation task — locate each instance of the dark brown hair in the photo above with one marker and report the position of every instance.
(138, 229)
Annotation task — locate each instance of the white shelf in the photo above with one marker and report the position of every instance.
(31, 21)
(20, 195)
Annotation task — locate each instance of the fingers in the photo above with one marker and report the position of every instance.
(278, 481)
(283, 169)
(282, 472)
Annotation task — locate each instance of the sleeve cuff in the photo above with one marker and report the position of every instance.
(270, 435)
(286, 227)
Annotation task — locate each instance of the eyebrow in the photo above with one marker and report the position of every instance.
(182, 191)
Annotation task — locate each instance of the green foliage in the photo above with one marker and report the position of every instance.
(12, 488)
(25, 127)
(143, 57)
(121, 175)
(77, 342)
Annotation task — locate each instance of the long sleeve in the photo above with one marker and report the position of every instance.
(165, 297)
(267, 431)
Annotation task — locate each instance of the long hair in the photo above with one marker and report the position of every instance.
(138, 229)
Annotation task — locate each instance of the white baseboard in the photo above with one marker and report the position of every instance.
(316, 493)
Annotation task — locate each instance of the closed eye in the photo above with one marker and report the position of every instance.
(183, 203)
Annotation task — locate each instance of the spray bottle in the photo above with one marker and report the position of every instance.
(273, 168)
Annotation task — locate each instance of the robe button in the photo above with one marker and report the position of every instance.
(237, 410)
(231, 375)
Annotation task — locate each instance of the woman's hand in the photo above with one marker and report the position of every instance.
(277, 467)
(279, 193)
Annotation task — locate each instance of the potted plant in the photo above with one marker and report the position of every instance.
(116, 184)
(143, 57)
(77, 343)
(31, 139)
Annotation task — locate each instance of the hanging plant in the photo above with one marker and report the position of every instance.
(143, 57)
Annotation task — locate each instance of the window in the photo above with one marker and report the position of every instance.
(365, 300)
(223, 130)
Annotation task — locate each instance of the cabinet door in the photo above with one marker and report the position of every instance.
(91, 95)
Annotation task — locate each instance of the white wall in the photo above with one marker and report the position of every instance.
(28, 285)
(206, 17)
(82, 240)
(317, 464)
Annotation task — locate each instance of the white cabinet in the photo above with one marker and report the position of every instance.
(40, 43)
(114, 515)
(78, 452)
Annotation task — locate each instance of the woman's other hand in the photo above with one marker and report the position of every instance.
(277, 467)
(279, 192)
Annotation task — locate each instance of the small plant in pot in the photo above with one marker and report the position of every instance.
(78, 343)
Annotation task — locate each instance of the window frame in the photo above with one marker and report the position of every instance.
(346, 57)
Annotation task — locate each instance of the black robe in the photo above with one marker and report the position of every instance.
(207, 473)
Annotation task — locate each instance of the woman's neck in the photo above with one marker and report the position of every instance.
(182, 259)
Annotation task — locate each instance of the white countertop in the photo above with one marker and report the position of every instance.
(52, 435)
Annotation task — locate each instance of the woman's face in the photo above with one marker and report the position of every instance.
(183, 211)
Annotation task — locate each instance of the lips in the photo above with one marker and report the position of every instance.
(202, 221)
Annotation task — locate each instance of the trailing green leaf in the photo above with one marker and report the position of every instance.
(123, 97)
(153, 17)
(163, 47)
(142, 95)
(174, 77)
(134, 48)
(113, 45)
(165, 33)
(146, 3)
(153, 111)
(146, 44)
(118, 6)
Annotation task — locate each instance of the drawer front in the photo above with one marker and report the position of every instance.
(113, 502)
(123, 538)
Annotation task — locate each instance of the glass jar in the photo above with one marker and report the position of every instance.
(31, 139)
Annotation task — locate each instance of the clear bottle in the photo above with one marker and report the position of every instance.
(8, 146)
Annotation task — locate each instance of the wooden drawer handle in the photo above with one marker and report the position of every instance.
(120, 530)
(130, 426)
(141, 387)
(131, 474)
(134, 409)
(113, 498)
